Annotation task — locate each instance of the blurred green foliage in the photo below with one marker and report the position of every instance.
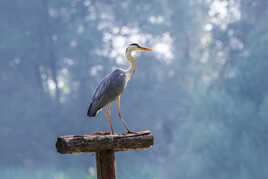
(203, 91)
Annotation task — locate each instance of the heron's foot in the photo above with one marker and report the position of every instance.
(131, 132)
(101, 133)
(112, 133)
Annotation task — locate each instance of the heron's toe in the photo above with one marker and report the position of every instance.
(131, 132)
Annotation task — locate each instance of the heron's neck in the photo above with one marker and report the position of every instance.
(131, 69)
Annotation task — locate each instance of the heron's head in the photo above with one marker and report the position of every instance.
(136, 47)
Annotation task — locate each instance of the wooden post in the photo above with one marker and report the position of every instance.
(105, 163)
(104, 145)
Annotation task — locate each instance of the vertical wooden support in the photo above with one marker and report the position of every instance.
(105, 162)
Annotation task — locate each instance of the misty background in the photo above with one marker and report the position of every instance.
(203, 91)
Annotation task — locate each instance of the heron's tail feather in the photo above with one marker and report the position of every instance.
(91, 111)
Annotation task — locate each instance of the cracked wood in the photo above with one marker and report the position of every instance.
(104, 141)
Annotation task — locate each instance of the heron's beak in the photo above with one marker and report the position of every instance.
(145, 49)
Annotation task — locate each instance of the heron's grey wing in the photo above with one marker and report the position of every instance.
(109, 88)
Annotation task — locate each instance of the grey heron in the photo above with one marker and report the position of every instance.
(112, 86)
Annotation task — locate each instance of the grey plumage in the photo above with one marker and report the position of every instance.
(108, 89)
(112, 86)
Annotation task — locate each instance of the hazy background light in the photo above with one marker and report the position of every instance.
(202, 90)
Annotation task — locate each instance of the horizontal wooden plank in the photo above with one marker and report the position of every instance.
(104, 141)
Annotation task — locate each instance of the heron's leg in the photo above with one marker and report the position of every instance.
(109, 117)
(120, 116)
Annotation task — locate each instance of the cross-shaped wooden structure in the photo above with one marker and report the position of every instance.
(104, 145)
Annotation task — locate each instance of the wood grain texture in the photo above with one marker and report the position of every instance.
(104, 141)
(106, 166)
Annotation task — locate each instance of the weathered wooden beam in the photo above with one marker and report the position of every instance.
(104, 145)
(104, 141)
